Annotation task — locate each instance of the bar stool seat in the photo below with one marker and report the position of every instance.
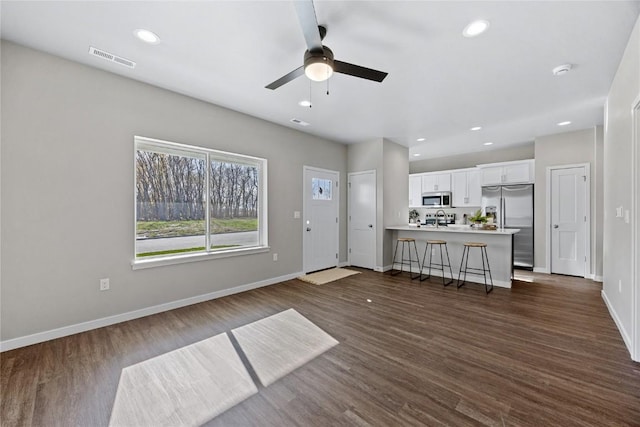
(438, 266)
(406, 242)
(475, 270)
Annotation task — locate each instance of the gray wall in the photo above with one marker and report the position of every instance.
(520, 152)
(67, 191)
(619, 167)
(396, 190)
(364, 157)
(390, 161)
(557, 150)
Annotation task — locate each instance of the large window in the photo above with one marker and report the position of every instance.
(192, 201)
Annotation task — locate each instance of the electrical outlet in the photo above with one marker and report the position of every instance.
(275, 257)
(104, 284)
(296, 214)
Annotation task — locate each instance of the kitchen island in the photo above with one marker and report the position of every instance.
(499, 249)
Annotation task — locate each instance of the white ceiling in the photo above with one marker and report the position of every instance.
(439, 85)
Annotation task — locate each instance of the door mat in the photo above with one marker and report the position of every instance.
(326, 276)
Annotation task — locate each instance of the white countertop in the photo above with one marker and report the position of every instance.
(455, 229)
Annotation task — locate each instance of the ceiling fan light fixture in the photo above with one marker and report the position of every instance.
(318, 66)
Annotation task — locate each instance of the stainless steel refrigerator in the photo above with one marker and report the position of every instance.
(513, 207)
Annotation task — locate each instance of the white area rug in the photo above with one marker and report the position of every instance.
(326, 276)
(186, 387)
(279, 344)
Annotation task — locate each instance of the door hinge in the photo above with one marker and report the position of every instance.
(336, 183)
(349, 185)
(336, 256)
(336, 220)
(349, 250)
(584, 178)
(585, 258)
(585, 218)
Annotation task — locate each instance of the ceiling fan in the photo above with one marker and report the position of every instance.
(319, 64)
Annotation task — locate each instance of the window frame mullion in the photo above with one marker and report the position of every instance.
(207, 214)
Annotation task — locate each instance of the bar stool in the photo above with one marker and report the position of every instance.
(484, 270)
(441, 266)
(406, 241)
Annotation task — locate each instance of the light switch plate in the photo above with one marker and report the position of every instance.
(296, 214)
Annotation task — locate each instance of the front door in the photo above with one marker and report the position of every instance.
(568, 221)
(320, 223)
(362, 219)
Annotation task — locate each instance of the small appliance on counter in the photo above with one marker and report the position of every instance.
(430, 219)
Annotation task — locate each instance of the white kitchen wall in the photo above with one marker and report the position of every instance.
(67, 180)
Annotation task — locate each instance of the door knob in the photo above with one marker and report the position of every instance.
(308, 228)
(370, 225)
(555, 225)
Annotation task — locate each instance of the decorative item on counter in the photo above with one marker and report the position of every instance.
(413, 216)
(477, 218)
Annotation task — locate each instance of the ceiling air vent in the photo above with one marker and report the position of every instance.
(299, 122)
(111, 57)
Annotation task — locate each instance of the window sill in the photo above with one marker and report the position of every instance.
(139, 264)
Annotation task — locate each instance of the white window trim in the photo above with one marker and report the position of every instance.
(263, 246)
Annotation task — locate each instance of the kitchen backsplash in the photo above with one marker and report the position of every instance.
(458, 211)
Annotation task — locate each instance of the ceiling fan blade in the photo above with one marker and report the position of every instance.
(309, 24)
(286, 78)
(358, 71)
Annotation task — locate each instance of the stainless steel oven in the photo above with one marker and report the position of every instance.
(436, 200)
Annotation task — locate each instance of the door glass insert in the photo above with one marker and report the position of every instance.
(321, 188)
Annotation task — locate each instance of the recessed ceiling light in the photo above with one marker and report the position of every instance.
(564, 123)
(488, 143)
(146, 36)
(475, 28)
(304, 103)
(562, 69)
(476, 128)
(416, 155)
(420, 139)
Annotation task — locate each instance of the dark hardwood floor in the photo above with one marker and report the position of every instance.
(545, 353)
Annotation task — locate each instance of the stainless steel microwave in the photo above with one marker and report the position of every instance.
(437, 200)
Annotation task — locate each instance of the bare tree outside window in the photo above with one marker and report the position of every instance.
(172, 200)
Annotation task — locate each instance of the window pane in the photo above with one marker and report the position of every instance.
(170, 203)
(321, 189)
(234, 204)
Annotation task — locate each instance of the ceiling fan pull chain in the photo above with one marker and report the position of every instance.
(327, 85)
(310, 102)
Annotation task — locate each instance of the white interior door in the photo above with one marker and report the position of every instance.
(568, 221)
(320, 221)
(362, 219)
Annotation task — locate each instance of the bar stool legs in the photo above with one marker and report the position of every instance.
(485, 265)
(406, 241)
(441, 266)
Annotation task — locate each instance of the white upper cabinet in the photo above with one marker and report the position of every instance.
(415, 191)
(520, 172)
(436, 182)
(466, 190)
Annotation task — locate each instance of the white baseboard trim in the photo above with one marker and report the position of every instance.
(625, 336)
(544, 270)
(118, 318)
(382, 269)
(344, 264)
(598, 279)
